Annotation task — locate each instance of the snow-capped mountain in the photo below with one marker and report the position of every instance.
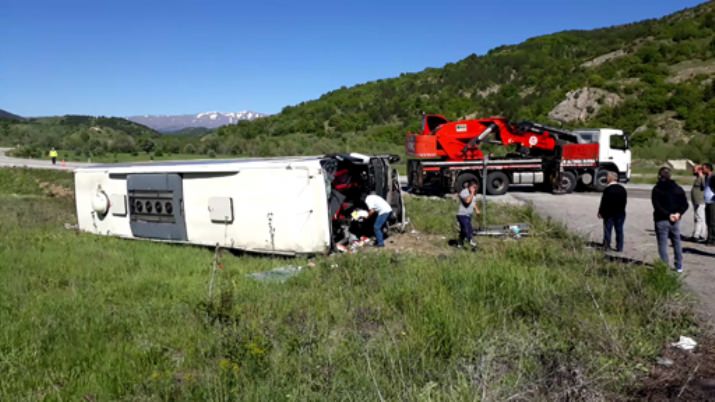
(167, 124)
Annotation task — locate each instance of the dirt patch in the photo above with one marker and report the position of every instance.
(582, 104)
(367, 320)
(419, 243)
(604, 58)
(688, 70)
(666, 126)
(55, 190)
(687, 376)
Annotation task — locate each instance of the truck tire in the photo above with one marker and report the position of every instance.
(411, 183)
(600, 181)
(567, 182)
(497, 183)
(462, 179)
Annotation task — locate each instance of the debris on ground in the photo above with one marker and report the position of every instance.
(279, 275)
(685, 343)
(665, 362)
(354, 243)
(682, 375)
(515, 230)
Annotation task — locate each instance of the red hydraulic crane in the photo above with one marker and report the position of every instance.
(448, 153)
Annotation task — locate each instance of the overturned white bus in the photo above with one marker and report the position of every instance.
(295, 205)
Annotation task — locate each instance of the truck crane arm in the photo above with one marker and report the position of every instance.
(460, 140)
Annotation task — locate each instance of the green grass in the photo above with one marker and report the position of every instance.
(21, 181)
(646, 172)
(100, 318)
(652, 179)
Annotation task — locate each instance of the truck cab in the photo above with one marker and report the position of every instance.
(614, 152)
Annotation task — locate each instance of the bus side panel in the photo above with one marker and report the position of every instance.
(275, 210)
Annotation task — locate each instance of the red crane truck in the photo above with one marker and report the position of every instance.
(446, 154)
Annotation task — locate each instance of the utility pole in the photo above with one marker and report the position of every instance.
(484, 191)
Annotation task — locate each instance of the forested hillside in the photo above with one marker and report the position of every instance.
(83, 135)
(653, 79)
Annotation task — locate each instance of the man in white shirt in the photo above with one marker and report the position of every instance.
(382, 211)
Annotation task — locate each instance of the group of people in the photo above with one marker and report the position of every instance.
(668, 199)
(669, 205)
(703, 201)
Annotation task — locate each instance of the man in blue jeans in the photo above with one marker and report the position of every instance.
(379, 207)
(467, 206)
(669, 205)
(613, 211)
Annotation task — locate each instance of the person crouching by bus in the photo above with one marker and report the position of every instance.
(467, 206)
(613, 211)
(53, 155)
(379, 208)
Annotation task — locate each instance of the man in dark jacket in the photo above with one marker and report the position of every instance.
(669, 205)
(613, 211)
(709, 198)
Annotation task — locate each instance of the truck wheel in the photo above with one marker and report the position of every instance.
(411, 186)
(567, 182)
(600, 181)
(462, 180)
(497, 183)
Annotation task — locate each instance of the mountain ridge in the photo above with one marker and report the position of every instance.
(4, 114)
(209, 120)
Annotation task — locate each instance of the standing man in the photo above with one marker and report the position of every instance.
(709, 195)
(697, 197)
(669, 205)
(467, 206)
(53, 155)
(379, 208)
(613, 211)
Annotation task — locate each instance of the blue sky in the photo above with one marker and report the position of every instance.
(127, 57)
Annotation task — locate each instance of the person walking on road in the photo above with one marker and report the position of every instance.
(467, 207)
(53, 155)
(709, 195)
(379, 208)
(697, 197)
(669, 205)
(613, 211)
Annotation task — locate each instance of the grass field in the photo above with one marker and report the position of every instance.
(95, 318)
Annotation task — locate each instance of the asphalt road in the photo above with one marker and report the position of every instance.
(8, 161)
(578, 213)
